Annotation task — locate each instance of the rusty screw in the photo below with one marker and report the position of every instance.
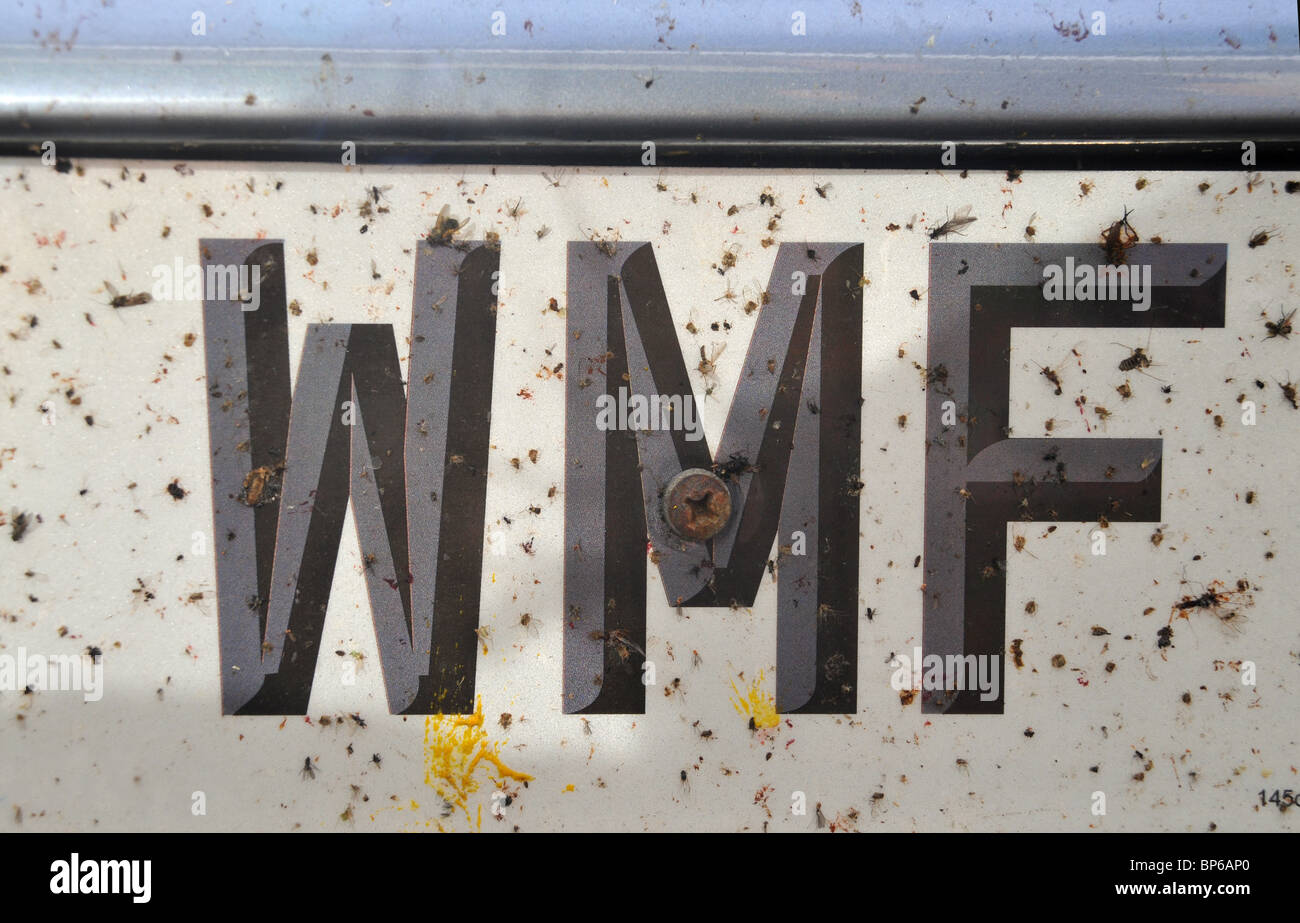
(697, 504)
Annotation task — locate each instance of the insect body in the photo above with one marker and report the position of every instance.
(1138, 357)
(959, 220)
(1052, 376)
(127, 301)
(1282, 328)
(1259, 238)
(1137, 360)
(1117, 239)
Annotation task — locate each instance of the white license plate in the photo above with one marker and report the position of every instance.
(361, 491)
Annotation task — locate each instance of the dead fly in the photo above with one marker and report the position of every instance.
(516, 210)
(1288, 392)
(621, 643)
(822, 190)
(1138, 357)
(445, 228)
(126, 301)
(308, 769)
(953, 225)
(660, 185)
(606, 245)
(1282, 328)
(1030, 230)
(708, 367)
(554, 181)
(1259, 238)
(377, 760)
(728, 260)
(1214, 599)
(1125, 390)
(1052, 376)
(1117, 239)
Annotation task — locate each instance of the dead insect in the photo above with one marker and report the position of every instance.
(126, 301)
(766, 198)
(1030, 230)
(953, 225)
(516, 210)
(822, 190)
(1288, 392)
(1052, 376)
(445, 228)
(606, 245)
(377, 760)
(1137, 358)
(1125, 390)
(1117, 239)
(736, 464)
(554, 180)
(1282, 328)
(308, 769)
(1259, 238)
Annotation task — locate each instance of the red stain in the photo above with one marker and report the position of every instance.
(525, 394)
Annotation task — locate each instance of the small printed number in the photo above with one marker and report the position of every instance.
(1283, 799)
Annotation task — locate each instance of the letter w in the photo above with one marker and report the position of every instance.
(789, 452)
(413, 461)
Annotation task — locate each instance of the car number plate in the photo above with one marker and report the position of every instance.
(408, 498)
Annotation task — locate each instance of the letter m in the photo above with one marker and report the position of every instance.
(789, 453)
(411, 457)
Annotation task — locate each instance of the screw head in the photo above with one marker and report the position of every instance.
(697, 504)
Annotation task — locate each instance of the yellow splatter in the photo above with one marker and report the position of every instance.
(568, 788)
(455, 747)
(758, 703)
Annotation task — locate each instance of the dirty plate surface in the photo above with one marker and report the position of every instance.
(359, 489)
